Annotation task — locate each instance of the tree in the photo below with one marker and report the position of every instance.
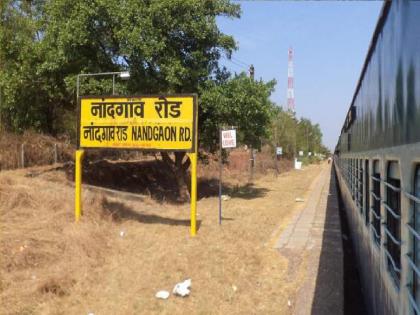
(238, 101)
(283, 131)
(296, 135)
(23, 100)
(309, 136)
(169, 46)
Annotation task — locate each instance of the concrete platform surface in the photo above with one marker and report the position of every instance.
(314, 236)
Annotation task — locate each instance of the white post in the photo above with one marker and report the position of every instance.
(22, 155)
(55, 153)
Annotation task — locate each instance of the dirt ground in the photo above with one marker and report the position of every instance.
(51, 265)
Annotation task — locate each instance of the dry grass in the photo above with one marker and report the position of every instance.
(38, 148)
(50, 265)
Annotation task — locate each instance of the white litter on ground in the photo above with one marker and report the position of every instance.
(122, 233)
(225, 197)
(298, 199)
(182, 288)
(162, 295)
(289, 303)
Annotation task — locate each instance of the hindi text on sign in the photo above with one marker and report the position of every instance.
(150, 122)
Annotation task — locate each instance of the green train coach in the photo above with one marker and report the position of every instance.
(377, 162)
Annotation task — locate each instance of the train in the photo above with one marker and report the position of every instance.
(377, 163)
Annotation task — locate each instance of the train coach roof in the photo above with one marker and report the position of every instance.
(379, 26)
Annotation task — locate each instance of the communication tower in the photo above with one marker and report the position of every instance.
(290, 83)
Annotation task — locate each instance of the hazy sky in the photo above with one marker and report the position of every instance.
(330, 42)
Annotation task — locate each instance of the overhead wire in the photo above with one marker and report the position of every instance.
(241, 62)
(242, 67)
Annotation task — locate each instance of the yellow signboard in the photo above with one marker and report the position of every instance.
(163, 122)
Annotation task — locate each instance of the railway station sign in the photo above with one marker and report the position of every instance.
(229, 138)
(144, 122)
(163, 122)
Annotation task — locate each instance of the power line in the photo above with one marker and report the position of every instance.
(236, 64)
(240, 61)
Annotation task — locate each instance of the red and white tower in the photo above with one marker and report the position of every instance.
(290, 83)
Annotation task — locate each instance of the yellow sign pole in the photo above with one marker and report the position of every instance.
(193, 158)
(149, 122)
(78, 185)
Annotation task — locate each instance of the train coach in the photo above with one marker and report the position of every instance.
(377, 163)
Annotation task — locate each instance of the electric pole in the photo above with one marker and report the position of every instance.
(251, 72)
(251, 149)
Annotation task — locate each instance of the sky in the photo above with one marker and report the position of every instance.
(330, 42)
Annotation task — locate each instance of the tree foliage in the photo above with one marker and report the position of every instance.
(238, 101)
(296, 135)
(169, 46)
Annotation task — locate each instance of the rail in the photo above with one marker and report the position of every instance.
(412, 265)
(397, 189)
(392, 211)
(375, 178)
(378, 237)
(377, 216)
(413, 231)
(375, 196)
(412, 197)
(412, 301)
(393, 264)
(392, 237)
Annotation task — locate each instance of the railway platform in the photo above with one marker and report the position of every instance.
(313, 241)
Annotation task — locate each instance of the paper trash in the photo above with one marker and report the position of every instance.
(162, 295)
(225, 197)
(182, 288)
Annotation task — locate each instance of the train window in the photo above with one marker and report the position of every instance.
(349, 167)
(376, 206)
(416, 240)
(345, 170)
(367, 195)
(349, 142)
(360, 187)
(354, 174)
(393, 221)
(348, 172)
(355, 179)
(350, 175)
